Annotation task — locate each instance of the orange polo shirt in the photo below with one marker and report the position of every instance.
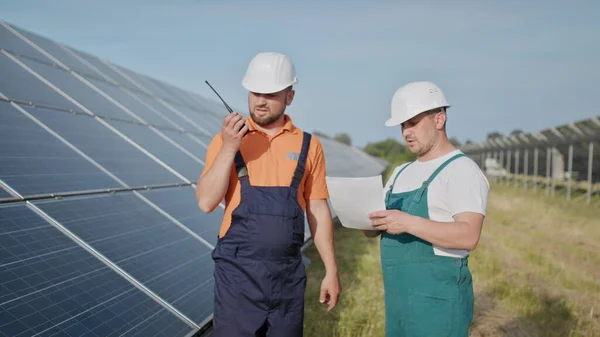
(271, 161)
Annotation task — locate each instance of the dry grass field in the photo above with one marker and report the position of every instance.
(536, 273)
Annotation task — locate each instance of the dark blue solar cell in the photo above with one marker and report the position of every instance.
(76, 89)
(164, 150)
(103, 68)
(4, 194)
(18, 84)
(181, 204)
(105, 147)
(194, 143)
(202, 119)
(33, 161)
(146, 244)
(173, 92)
(178, 117)
(50, 286)
(55, 50)
(133, 105)
(213, 106)
(148, 84)
(14, 44)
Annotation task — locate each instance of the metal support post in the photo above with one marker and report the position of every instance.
(570, 169)
(535, 168)
(517, 153)
(502, 164)
(553, 170)
(526, 169)
(508, 174)
(548, 163)
(589, 177)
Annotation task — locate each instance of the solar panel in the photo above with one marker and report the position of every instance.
(112, 242)
(181, 204)
(4, 194)
(35, 162)
(53, 287)
(105, 147)
(150, 247)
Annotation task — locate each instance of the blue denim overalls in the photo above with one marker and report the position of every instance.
(259, 275)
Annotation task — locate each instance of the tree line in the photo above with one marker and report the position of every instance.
(391, 150)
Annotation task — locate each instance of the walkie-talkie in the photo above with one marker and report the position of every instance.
(222, 100)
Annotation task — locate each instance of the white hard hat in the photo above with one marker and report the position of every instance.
(413, 99)
(269, 72)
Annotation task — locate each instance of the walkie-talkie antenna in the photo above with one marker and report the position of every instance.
(226, 105)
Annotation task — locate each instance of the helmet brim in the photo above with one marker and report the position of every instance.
(265, 89)
(393, 122)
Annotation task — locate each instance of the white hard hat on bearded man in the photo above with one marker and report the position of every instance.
(269, 72)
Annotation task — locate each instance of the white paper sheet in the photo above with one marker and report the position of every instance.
(352, 199)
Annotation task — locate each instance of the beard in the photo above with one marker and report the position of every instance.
(266, 120)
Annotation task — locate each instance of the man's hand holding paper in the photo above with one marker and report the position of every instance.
(353, 199)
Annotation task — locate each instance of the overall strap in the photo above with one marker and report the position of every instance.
(240, 165)
(299, 173)
(398, 174)
(441, 167)
(426, 183)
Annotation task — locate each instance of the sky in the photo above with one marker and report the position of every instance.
(503, 65)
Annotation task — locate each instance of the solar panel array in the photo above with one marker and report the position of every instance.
(569, 152)
(100, 232)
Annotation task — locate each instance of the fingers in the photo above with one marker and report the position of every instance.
(330, 294)
(239, 124)
(243, 130)
(323, 296)
(232, 119)
(378, 214)
(377, 223)
(333, 302)
(234, 126)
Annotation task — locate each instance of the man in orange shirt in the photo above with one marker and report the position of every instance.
(270, 174)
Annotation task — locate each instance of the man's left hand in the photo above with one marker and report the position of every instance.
(330, 290)
(391, 221)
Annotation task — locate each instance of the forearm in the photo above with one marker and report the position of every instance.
(321, 227)
(450, 235)
(211, 188)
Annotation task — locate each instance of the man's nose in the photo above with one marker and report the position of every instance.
(261, 100)
(405, 131)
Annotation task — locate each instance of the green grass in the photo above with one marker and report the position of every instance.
(535, 271)
(360, 311)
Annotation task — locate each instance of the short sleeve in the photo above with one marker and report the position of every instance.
(468, 189)
(315, 186)
(211, 153)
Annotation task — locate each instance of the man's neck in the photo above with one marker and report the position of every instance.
(441, 148)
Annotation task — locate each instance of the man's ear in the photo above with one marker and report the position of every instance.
(440, 120)
(289, 97)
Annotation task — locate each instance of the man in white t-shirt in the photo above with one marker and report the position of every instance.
(435, 207)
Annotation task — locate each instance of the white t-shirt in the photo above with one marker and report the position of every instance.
(459, 187)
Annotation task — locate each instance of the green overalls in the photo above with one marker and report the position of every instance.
(426, 295)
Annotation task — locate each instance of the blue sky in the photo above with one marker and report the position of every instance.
(504, 65)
